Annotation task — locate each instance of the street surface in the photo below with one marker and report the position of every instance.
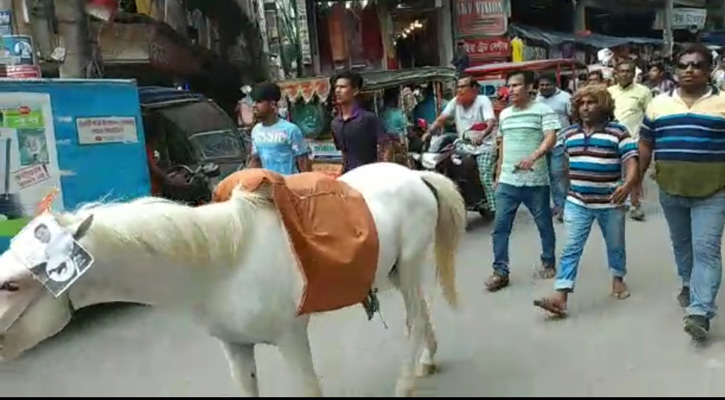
(495, 345)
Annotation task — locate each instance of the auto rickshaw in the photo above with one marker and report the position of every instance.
(492, 77)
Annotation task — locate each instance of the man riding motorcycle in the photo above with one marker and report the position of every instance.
(467, 109)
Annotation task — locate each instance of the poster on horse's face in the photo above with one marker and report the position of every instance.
(51, 253)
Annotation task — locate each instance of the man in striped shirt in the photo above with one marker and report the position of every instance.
(597, 150)
(685, 129)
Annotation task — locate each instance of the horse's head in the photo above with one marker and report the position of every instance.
(30, 314)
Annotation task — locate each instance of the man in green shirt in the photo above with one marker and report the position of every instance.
(528, 130)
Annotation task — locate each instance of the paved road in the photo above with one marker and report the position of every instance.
(496, 345)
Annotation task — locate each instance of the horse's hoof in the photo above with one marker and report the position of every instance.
(425, 370)
(404, 390)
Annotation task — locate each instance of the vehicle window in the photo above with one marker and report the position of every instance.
(177, 144)
(217, 144)
(210, 133)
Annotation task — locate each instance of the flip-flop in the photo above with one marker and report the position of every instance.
(551, 307)
(621, 295)
(545, 273)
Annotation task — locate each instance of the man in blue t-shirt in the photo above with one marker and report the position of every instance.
(277, 144)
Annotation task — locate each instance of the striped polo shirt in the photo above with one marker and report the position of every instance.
(523, 131)
(595, 163)
(689, 143)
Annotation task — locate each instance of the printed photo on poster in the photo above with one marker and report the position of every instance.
(33, 147)
(51, 254)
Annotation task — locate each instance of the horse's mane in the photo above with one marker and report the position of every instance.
(188, 236)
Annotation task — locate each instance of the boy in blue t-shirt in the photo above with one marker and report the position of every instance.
(277, 144)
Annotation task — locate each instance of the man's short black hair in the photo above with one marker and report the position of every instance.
(472, 82)
(527, 75)
(596, 72)
(547, 77)
(266, 91)
(356, 81)
(657, 64)
(697, 48)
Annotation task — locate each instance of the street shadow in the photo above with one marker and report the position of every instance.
(83, 321)
(478, 222)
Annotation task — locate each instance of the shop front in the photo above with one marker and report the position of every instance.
(378, 35)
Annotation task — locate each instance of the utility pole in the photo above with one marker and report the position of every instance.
(668, 37)
(73, 29)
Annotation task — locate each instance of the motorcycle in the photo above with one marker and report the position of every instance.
(199, 184)
(439, 154)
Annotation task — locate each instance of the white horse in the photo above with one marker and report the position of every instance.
(231, 266)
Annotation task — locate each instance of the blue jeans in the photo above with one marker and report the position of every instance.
(557, 174)
(578, 221)
(696, 229)
(508, 199)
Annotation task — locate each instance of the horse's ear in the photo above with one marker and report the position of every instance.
(83, 228)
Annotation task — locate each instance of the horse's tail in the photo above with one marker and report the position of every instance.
(450, 228)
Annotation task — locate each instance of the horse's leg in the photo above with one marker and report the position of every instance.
(243, 366)
(295, 348)
(426, 364)
(407, 279)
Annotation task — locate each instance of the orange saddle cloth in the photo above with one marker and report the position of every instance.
(331, 229)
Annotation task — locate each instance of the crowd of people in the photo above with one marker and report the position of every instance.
(613, 133)
(573, 157)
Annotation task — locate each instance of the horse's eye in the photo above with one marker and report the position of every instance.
(9, 287)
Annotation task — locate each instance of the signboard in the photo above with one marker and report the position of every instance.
(481, 17)
(107, 130)
(303, 31)
(324, 150)
(484, 49)
(683, 18)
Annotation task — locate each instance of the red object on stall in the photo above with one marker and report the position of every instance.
(102, 9)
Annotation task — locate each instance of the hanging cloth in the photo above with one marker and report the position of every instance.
(517, 50)
(338, 39)
(372, 37)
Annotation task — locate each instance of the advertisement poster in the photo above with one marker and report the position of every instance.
(481, 17)
(18, 55)
(28, 160)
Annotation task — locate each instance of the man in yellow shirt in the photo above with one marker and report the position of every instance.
(630, 102)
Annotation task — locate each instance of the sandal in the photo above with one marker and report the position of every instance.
(546, 272)
(621, 293)
(497, 282)
(550, 306)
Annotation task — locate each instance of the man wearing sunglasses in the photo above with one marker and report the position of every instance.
(630, 102)
(685, 129)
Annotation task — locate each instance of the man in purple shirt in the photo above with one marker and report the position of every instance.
(356, 132)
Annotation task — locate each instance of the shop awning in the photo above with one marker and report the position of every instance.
(552, 38)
